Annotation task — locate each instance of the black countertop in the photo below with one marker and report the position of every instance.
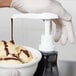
(67, 68)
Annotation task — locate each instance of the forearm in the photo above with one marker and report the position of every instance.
(5, 3)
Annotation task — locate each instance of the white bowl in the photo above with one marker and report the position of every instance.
(27, 69)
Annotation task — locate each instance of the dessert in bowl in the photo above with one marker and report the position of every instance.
(18, 60)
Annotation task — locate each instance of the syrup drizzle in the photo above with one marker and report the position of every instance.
(6, 49)
(10, 58)
(17, 57)
(25, 52)
(12, 40)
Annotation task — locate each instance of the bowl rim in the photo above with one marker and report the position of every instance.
(32, 62)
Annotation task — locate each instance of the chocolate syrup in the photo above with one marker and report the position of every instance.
(11, 59)
(12, 40)
(25, 52)
(19, 53)
(17, 57)
(1, 59)
(14, 59)
(6, 49)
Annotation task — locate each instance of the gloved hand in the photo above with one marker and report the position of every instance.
(63, 24)
(64, 31)
(67, 32)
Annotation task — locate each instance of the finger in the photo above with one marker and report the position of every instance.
(64, 36)
(70, 32)
(58, 23)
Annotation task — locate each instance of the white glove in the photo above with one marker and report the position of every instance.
(65, 30)
(68, 29)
